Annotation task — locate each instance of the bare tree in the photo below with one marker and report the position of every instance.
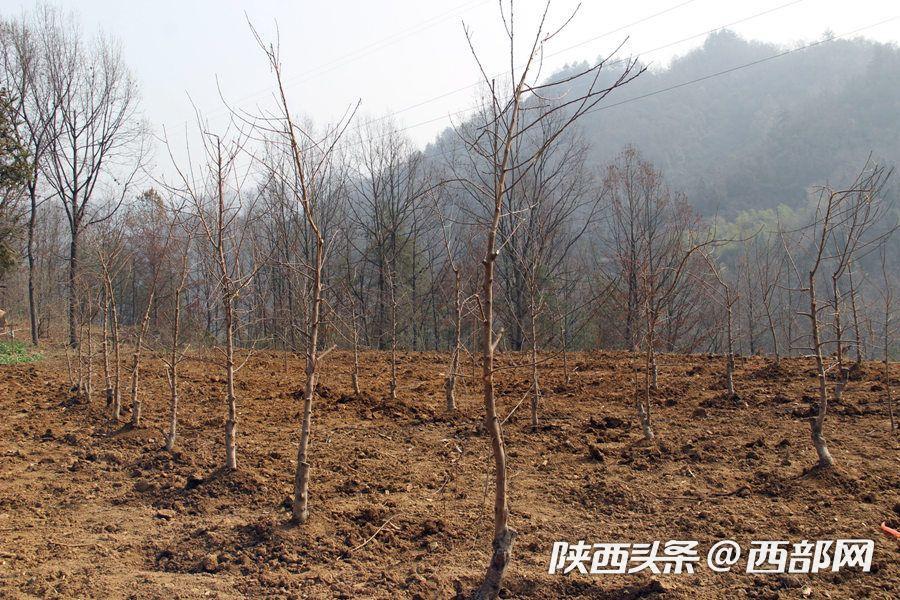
(768, 267)
(494, 169)
(844, 220)
(887, 294)
(154, 210)
(549, 211)
(222, 214)
(858, 348)
(110, 249)
(306, 178)
(97, 139)
(388, 213)
(176, 354)
(24, 73)
(726, 297)
(652, 236)
(459, 304)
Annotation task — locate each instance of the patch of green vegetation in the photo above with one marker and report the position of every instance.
(13, 353)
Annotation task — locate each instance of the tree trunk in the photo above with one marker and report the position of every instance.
(393, 311)
(856, 329)
(173, 407)
(838, 334)
(817, 422)
(729, 362)
(450, 384)
(73, 291)
(231, 422)
(642, 401)
(503, 534)
(535, 382)
(355, 375)
(89, 379)
(32, 305)
(300, 508)
(117, 391)
(773, 334)
(107, 373)
(135, 397)
(642, 398)
(173, 372)
(887, 363)
(888, 395)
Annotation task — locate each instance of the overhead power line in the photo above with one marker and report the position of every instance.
(675, 86)
(639, 54)
(362, 52)
(742, 66)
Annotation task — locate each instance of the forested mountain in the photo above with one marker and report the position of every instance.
(759, 136)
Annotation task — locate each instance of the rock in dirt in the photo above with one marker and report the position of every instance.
(193, 481)
(649, 590)
(210, 563)
(433, 526)
(142, 485)
(789, 582)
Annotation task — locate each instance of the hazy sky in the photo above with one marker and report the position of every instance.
(396, 54)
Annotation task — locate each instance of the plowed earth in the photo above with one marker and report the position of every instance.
(401, 498)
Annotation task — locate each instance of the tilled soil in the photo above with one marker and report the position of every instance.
(401, 495)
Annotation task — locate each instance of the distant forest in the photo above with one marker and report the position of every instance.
(761, 136)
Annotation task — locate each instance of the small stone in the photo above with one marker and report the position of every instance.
(142, 485)
(699, 413)
(210, 563)
(789, 582)
(193, 481)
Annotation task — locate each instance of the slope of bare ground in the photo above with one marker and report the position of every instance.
(400, 496)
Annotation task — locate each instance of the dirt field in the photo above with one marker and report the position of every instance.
(399, 498)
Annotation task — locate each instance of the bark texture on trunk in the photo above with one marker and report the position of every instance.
(231, 399)
(817, 422)
(73, 289)
(503, 534)
(29, 252)
(300, 507)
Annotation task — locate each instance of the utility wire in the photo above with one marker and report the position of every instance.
(361, 52)
(558, 52)
(672, 87)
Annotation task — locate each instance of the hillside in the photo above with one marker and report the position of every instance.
(759, 136)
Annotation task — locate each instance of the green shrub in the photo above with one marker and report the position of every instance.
(13, 352)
